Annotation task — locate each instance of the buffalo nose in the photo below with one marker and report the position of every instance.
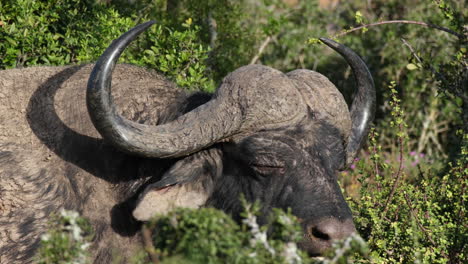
(330, 229)
(319, 235)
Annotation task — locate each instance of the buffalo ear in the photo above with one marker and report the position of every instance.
(162, 201)
(188, 183)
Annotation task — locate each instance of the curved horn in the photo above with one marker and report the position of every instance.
(191, 132)
(363, 105)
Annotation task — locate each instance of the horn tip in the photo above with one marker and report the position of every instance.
(146, 24)
(329, 42)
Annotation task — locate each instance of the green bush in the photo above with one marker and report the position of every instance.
(407, 218)
(202, 236)
(221, 24)
(56, 32)
(210, 236)
(60, 32)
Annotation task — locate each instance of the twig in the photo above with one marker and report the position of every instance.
(261, 49)
(460, 93)
(212, 27)
(424, 230)
(433, 115)
(377, 171)
(376, 164)
(436, 73)
(397, 177)
(460, 36)
(148, 244)
(460, 214)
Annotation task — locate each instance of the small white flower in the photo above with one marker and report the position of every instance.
(45, 237)
(285, 219)
(258, 236)
(84, 246)
(290, 253)
(76, 232)
(253, 254)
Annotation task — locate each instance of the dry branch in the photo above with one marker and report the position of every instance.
(147, 241)
(261, 49)
(460, 36)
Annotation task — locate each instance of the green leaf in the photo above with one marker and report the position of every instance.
(411, 67)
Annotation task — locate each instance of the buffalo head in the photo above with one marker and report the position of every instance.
(273, 137)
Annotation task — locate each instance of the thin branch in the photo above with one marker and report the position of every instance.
(398, 116)
(424, 230)
(212, 27)
(436, 73)
(374, 148)
(441, 77)
(261, 49)
(460, 36)
(374, 161)
(148, 244)
(398, 174)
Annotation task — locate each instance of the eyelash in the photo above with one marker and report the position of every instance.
(267, 169)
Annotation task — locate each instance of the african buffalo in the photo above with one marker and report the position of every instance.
(149, 147)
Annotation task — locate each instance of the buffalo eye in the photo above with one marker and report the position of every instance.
(267, 169)
(267, 163)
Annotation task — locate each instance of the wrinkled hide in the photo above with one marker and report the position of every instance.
(51, 156)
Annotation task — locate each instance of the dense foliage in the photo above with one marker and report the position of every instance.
(60, 32)
(210, 236)
(408, 188)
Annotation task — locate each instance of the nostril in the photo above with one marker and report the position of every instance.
(330, 229)
(319, 235)
(316, 232)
